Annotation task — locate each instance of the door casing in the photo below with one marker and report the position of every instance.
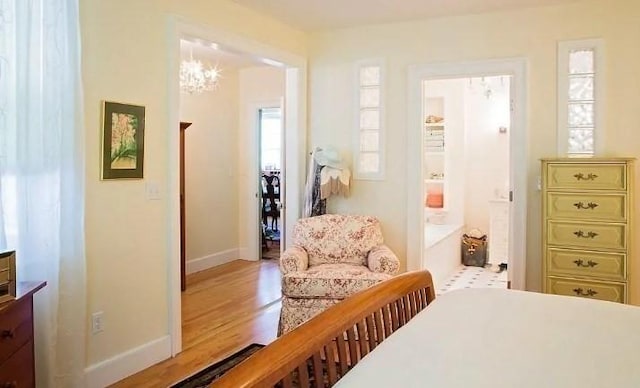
(516, 67)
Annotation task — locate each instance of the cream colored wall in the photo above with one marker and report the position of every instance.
(262, 86)
(211, 165)
(531, 33)
(125, 58)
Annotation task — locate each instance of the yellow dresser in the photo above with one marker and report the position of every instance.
(586, 228)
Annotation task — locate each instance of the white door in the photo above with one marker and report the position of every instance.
(283, 174)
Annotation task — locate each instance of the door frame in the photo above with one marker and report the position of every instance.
(516, 67)
(296, 129)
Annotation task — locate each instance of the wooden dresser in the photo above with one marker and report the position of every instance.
(16, 338)
(587, 207)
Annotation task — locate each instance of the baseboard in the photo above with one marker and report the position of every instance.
(244, 255)
(202, 263)
(110, 371)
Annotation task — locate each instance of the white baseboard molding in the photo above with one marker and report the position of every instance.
(244, 255)
(107, 372)
(202, 263)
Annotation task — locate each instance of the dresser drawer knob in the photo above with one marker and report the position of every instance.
(588, 292)
(7, 334)
(581, 205)
(589, 263)
(581, 177)
(581, 234)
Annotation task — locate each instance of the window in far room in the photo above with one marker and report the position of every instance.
(271, 139)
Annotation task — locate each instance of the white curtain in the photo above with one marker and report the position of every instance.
(42, 175)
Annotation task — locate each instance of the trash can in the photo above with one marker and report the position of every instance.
(474, 250)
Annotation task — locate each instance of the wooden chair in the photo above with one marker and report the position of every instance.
(322, 350)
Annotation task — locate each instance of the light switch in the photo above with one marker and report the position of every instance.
(153, 191)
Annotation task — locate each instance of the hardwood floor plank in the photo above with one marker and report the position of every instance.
(224, 309)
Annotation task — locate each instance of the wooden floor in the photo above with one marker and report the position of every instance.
(271, 251)
(224, 309)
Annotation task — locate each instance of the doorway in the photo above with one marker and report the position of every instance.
(466, 173)
(272, 183)
(294, 119)
(507, 71)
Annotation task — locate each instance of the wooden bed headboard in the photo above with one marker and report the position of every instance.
(322, 350)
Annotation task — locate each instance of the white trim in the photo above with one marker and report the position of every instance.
(564, 47)
(380, 175)
(107, 372)
(517, 67)
(295, 159)
(177, 27)
(252, 148)
(213, 260)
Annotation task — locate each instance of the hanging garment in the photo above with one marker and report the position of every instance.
(319, 206)
(334, 181)
(313, 204)
(308, 188)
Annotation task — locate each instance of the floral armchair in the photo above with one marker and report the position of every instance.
(332, 257)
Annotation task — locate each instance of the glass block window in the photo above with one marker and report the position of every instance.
(369, 159)
(579, 113)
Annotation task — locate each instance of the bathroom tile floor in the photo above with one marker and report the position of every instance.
(473, 277)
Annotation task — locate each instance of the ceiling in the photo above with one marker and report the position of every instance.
(311, 15)
(213, 54)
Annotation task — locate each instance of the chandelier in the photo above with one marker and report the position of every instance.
(196, 78)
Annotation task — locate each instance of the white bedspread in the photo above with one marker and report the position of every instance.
(541, 341)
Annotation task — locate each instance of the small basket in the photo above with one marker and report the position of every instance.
(474, 250)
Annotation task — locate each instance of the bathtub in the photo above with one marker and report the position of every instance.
(442, 250)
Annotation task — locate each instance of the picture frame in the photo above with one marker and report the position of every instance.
(122, 141)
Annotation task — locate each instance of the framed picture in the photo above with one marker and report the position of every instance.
(122, 141)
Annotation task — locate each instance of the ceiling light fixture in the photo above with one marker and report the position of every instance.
(196, 78)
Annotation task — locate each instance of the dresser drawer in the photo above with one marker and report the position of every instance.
(568, 262)
(586, 235)
(609, 207)
(611, 291)
(586, 176)
(18, 371)
(16, 328)
(4, 263)
(5, 275)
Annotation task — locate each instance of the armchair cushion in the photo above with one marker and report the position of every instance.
(337, 238)
(382, 259)
(335, 281)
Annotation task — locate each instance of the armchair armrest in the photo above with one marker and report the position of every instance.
(382, 259)
(294, 259)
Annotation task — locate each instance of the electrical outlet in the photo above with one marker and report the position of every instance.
(539, 183)
(97, 323)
